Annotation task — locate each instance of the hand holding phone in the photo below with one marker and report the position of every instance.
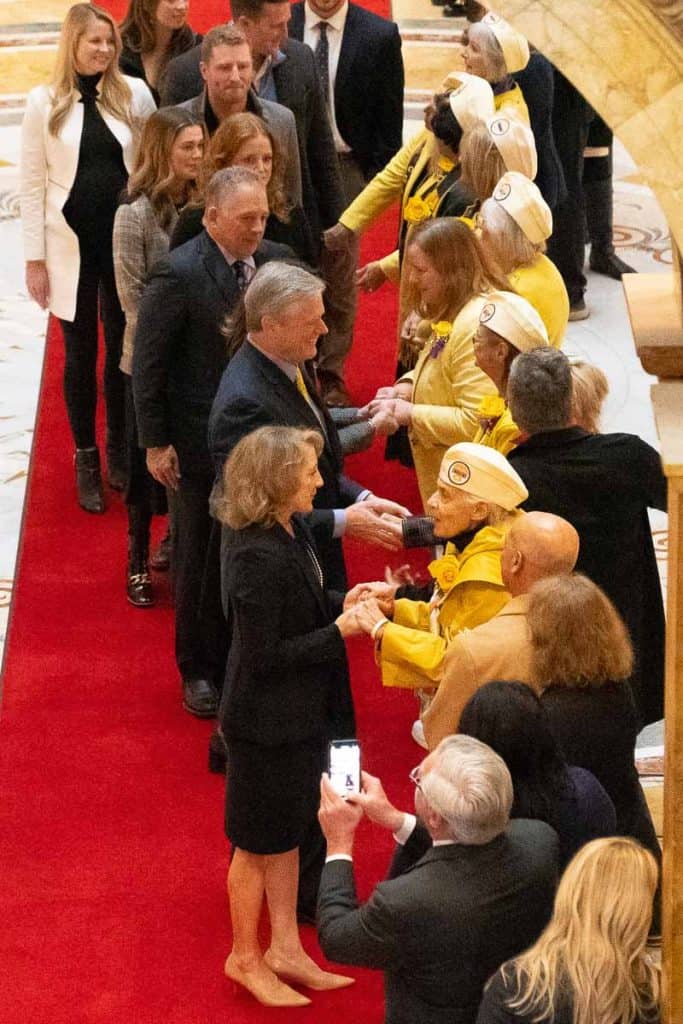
(344, 766)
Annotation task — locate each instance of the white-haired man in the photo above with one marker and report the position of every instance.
(440, 925)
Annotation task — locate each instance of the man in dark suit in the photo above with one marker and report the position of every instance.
(603, 484)
(363, 79)
(179, 355)
(445, 920)
(285, 72)
(264, 385)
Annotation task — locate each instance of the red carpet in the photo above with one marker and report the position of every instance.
(112, 851)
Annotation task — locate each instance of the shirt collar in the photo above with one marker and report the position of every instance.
(230, 259)
(268, 64)
(337, 21)
(289, 369)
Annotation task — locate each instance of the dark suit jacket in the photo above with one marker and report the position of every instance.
(440, 929)
(538, 85)
(253, 393)
(180, 352)
(368, 90)
(298, 87)
(287, 675)
(603, 484)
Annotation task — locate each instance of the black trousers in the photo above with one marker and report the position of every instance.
(572, 117)
(96, 297)
(197, 582)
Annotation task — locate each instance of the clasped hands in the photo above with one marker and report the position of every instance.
(339, 817)
(390, 409)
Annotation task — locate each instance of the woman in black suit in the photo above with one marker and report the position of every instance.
(582, 660)
(286, 695)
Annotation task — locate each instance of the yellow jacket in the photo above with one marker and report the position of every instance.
(503, 435)
(513, 103)
(541, 284)
(468, 591)
(446, 393)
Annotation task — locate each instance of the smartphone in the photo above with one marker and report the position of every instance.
(344, 766)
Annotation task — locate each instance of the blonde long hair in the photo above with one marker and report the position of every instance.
(593, 949)
(115, 94)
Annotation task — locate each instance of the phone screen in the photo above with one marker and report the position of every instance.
(345, 766)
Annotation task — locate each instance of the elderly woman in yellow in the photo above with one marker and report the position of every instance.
(424, 176)
(508, 325)
(515, 223)
(495, 51)
(448, 277)
(474, 505)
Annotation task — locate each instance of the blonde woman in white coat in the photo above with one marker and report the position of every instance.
(78, 141)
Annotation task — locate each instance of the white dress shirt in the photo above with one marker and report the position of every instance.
(335, 32)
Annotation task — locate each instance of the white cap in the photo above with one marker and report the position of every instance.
(525, 204)
(471, 98)
(484, 473)
(515, 142)
(515, 320)
(513, 44)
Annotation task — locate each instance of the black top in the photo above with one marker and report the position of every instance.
(130, 63)
(537, 84)
(603, 484)
(597, 727)
(295, 233)
(503, 987)
(287, 675)
(101, 174)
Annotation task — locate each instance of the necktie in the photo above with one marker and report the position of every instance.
(239, 269)
(322, 59)
(306, 395)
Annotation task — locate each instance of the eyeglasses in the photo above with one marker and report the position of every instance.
(415, 776)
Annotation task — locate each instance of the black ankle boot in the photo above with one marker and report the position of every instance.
(117, 470)
(89, 479)
(139, 584)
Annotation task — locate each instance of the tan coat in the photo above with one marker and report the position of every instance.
(498, 649)
(447, 391)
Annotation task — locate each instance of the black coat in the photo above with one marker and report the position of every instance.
(287, 675)
(253, 393)
(130, 63)
(368, 89)
(441, 928)
(298, 87)
(604, 484)
(180, 353)
(597, 728)
(538, 85)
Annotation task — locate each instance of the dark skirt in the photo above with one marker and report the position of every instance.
(272, 794)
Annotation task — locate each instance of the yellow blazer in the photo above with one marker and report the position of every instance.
(446, 393)
(469, 591)
(396, 181)
(513, 103)
(541, 284)
(503, 435)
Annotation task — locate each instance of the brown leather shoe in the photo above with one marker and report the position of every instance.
(333, 391)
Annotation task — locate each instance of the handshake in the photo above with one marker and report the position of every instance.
(367, 607)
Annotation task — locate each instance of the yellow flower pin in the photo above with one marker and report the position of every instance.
(491, 407)
(445, 571)
(418, 209)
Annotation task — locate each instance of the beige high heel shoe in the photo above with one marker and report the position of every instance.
(311, 976)
(264, 985)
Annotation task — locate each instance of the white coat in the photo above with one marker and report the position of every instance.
(48, 171)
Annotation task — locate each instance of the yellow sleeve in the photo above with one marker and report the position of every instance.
(414, 614)
(472, 603)
(456, 421)
(385, 188)
(411, 658)
(457, 686)
(391, 266)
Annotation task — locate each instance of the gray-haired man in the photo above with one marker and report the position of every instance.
(442, 924)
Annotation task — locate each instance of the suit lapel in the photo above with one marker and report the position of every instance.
(305, 562)
(218, 269)
(296, 25)
(351, 40)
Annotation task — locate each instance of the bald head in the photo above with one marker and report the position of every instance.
(538, 545)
